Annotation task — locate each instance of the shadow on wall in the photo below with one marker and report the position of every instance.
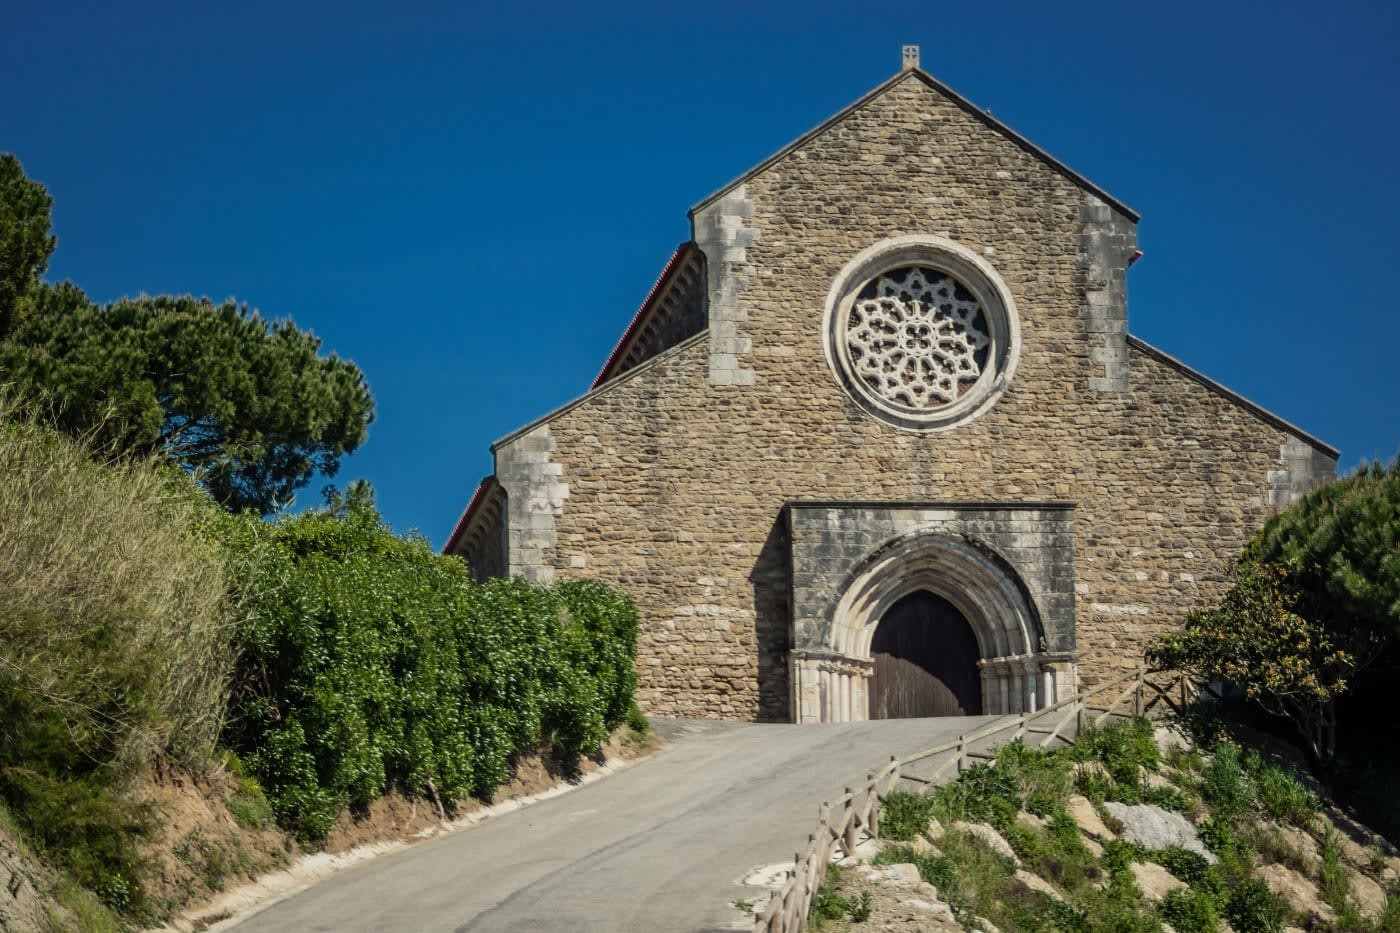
(773, 624)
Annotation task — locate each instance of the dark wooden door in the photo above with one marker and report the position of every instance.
(925, 661)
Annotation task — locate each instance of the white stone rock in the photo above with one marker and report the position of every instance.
(1369, 896)
(1154, 881)
(935, 909)
(922, 846)
(1155, 828)
(1037, 883)
(902, 875)
(1299, 892)
(1030, 819)
(1170, 739)
(1087, 818)
(864, 851)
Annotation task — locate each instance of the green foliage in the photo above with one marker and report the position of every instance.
(1045, 779)
(1125, 750)
(1341, 547)
(1190, 911)
(1252, 908)
(25, 241)
(904, 816)
(1316, 599)
(831, 904)
(1333, 883)
(982, 794)
(248, 406)
(1217, 834)
(1225, 784)
(1290, 663)
(368, 661)
(1121, 747)
(114, 645)
(637, 721)
(1168, 798)
(1189, 866)
(1284, 797)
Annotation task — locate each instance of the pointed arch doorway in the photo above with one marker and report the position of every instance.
(924, 661)
(1007, 570)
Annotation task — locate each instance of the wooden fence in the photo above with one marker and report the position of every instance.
(842, 824)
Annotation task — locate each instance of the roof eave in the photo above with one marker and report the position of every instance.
(1216, 387)
(482, 488)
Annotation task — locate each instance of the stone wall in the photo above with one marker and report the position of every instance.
(670, 482)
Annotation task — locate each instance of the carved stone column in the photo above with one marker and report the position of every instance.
(830, 687)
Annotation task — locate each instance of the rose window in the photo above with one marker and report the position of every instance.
(921, 332)
(917, 338)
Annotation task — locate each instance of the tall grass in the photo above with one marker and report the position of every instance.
(114, 642)
(113, 607)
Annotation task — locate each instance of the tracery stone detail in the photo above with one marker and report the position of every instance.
(921, 332)
(917, 337)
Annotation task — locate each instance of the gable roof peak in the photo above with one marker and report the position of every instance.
(911, 69)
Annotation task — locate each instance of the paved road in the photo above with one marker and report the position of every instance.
(657, 847)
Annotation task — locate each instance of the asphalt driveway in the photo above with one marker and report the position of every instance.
(658, 847)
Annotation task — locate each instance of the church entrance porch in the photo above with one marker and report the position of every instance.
(924, 661)
(922, 610)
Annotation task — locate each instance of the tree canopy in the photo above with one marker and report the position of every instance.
(249, 406)
(1315, 600)
(1341, 547)
(25, 241)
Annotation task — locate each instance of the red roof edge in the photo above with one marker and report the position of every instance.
(482, 488)
(677, 258)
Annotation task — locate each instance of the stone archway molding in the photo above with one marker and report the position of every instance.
(832, 683)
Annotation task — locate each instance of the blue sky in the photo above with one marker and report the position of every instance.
(470, 200)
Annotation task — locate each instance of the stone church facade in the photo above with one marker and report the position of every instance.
(879, 442)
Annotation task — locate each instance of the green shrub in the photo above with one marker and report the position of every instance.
(1225, 785)
(1189, 866)
(1168, 798)
(368, 661)
(904, 816)
(1122, 747)
(981, 794)
(1189, 911)
(1217, 834)
(1252, 908)
(1284, 797)
(1045, 779)
(1333, 882)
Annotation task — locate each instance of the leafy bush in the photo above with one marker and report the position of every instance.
(1189, 866)
(1045, 779)
(830, 904)
(982, 794)
(1125, 749)
(1252, 908)
(904, 816)
(1189, 911)
(1284, 797)
(367, 661)
(1225, 785)
(1168, 798)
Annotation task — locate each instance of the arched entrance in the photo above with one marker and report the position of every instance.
(924, 661)
(995, 660)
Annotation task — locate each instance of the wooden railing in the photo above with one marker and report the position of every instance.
(841, 824)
